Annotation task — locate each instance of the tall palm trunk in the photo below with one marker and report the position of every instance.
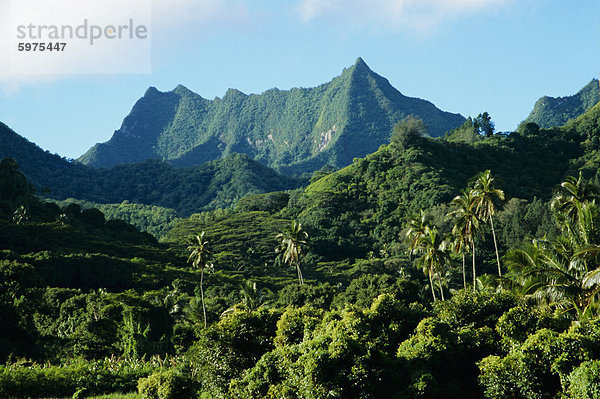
(441, 288)
(431, 285)
(474, 275)
(202, 295)
(464, 272)
(495, 245)
(300, 279)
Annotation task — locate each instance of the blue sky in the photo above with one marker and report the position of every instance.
(465, 56)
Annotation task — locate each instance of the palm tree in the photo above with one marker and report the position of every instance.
(563, 273)
(193, 311)
(460, 245)
(199, 257)
(291, 241)
(418, 228)
(254, 297)
(434, 257)
(485, 194)
(20, 216)
(551, 274)
(466, 224)
(571, 193)
(174, 303)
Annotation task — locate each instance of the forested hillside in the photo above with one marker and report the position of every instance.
(550, 111)
(363, 208)
(217, 184)
(152, 219)
(294, 131)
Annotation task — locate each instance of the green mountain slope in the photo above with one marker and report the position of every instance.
(152, 219)
(371, 200)
(294, 131)
(361, 210)
(551, 111)
(365, 206)
(587, 128)
(217, 184)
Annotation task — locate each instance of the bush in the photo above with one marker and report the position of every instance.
(408, 131)
(363, 290)
(584, 381)
(517, 324)
(527, 371)
(477, 309)
(97, 377)
(295, 324)
(93, 217)
(319, 296)
(270, 202)
(80, 394)
(230, 346)
(169, 384)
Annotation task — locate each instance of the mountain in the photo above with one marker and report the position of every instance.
(365, 206)
(551, 111)
(294, 131)
(217, 184)
(362, 209)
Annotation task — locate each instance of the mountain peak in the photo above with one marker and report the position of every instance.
(592, 86)
(361, 66)
(360, 63)
(234, 93)
(150, 91)
(181, 89)
(556, 111)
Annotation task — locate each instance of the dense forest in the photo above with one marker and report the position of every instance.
(212, 185)
(457, 266)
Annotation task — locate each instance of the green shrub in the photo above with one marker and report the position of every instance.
(225, 349)
(295, 324)
(80, 394)
(318, 295)
(169, 384)
(97, 377)
(527, 371)
(517, 324)
(584, 381)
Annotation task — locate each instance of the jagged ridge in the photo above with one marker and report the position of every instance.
(295, 131)
(556, 111)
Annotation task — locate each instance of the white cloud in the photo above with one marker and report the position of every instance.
(420, 15)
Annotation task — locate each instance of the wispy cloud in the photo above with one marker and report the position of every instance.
(419, 15)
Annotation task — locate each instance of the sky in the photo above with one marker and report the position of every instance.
(465, 56)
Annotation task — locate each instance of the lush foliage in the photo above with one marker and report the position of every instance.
(152, 219)
(218, 184)
(91, 377)
(90, 306)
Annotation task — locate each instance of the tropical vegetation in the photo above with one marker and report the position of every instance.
(462, 266)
